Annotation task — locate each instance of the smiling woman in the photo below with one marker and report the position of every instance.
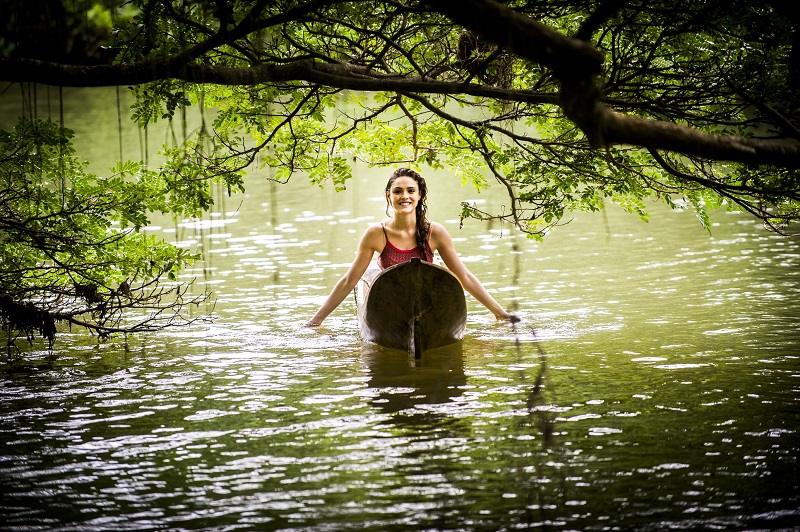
(406, 235)
(406, 194)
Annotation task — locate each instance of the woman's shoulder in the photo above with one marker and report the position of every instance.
(374, 235)
(436, 229)
(375, 228)
(438, 236)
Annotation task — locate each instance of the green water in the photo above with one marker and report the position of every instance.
(653, 383)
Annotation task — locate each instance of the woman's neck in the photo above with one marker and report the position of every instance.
(404, 222)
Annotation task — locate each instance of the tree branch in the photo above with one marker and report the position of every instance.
(526, 37)
(337, 75)
(624, 129)
(574, 62)
(577, 64)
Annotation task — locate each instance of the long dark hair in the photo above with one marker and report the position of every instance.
(423, 225)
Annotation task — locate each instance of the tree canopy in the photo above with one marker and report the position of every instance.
(567, 104)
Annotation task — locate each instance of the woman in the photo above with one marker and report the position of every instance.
(407, 235)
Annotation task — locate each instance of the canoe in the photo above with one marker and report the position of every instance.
(413, 306)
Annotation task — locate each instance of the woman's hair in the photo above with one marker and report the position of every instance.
(423, 225)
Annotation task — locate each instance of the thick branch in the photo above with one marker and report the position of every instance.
(577, 64)
(523, 35)
(340, 76)
(624, 129)
(574, 62)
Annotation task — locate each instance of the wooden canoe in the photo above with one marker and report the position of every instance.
(413, 306)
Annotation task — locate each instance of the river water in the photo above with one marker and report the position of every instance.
(654, 382)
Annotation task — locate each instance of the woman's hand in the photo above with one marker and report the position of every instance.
(510, 317)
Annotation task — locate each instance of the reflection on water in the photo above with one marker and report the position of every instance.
(653, 384)
(405, 383)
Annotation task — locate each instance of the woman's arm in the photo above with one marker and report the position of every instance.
(371, 242)
(442, 242)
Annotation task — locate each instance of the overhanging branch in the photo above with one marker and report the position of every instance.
(340, 76)
(577, 64)
(659, 135)
(574, 62)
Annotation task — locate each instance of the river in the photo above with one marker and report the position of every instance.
(654, 382)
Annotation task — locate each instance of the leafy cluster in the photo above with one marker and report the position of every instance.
(721, 67)
(70, 245)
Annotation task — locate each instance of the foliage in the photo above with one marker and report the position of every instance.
(70, 246)
(721, 67)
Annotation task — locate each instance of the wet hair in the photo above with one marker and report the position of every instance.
(423, 225)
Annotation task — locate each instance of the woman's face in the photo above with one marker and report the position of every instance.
(403, 195)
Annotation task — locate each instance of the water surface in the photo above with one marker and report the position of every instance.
(653, 382)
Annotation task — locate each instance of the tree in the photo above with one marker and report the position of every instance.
(568, 104)
(70, 246)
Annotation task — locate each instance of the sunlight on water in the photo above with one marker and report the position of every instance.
(653, 384)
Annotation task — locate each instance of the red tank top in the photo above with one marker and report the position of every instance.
(392, 255)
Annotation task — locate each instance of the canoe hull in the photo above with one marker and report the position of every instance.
(413, 306)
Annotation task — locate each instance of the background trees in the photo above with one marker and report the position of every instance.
(566, 104)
